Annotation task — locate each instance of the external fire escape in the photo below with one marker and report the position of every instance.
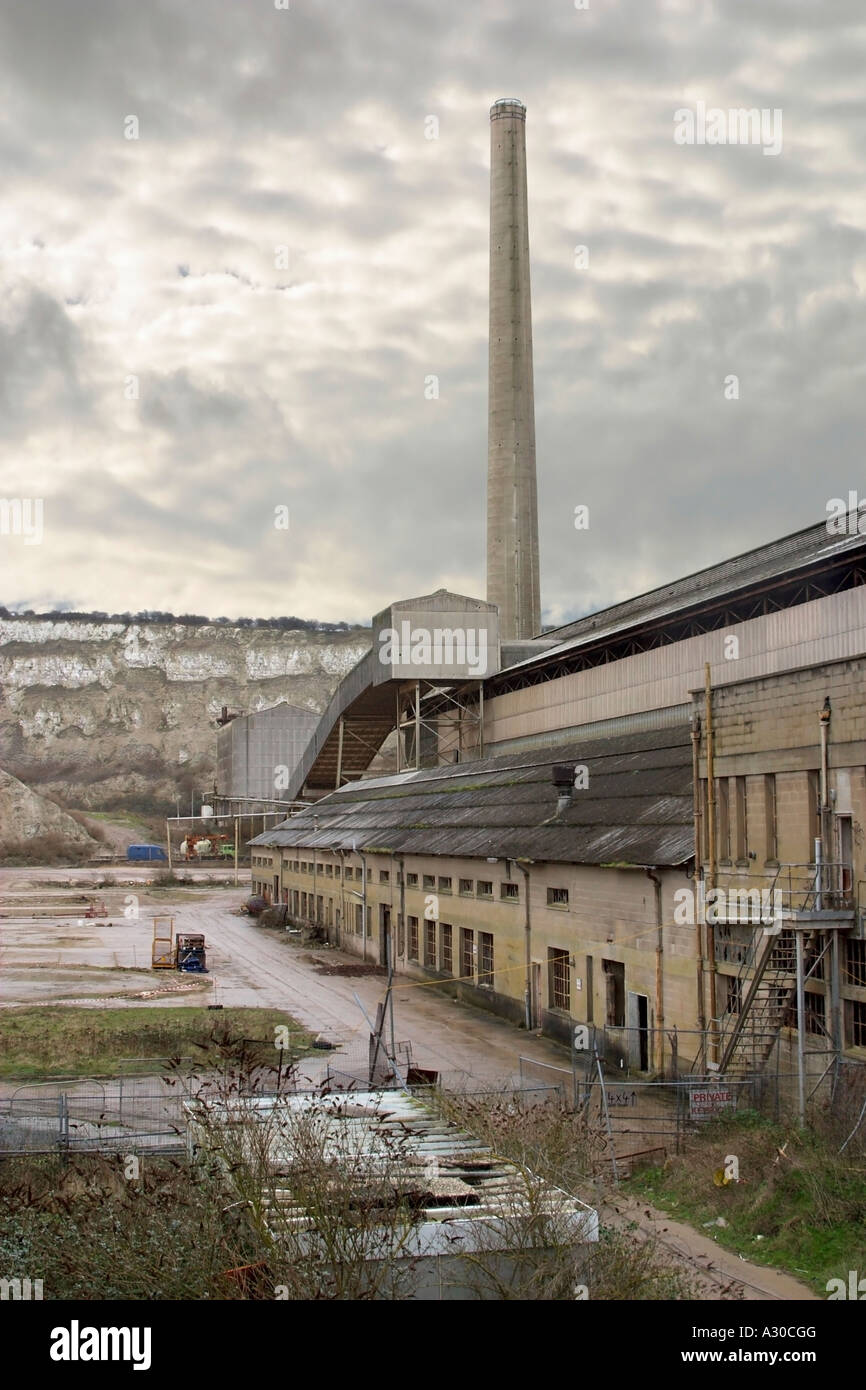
(794, 939)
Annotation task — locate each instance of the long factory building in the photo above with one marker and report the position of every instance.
(565, 808)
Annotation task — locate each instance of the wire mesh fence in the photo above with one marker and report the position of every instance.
(129, 1113)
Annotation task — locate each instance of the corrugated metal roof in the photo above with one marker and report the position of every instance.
(784, 557)
(635, 809)
(453, 1178)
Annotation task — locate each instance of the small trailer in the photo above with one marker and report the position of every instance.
(184, 951)
(190, 953)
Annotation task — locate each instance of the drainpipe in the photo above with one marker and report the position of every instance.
(315, 912)
(527, 930)
(660, 986)
(711, 828)
(363, 859)
(697, 876)
(826, 856)
(401, 860)
(342, 854)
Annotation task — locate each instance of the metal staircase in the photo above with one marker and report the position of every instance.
(764, 991)
(767, 988)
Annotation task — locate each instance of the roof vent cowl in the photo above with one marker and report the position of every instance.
(563, 780)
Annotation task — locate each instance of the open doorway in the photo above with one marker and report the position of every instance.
(384, 932)
(535, 995)
(638, 1031)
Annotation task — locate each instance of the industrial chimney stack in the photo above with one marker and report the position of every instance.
(512, 505)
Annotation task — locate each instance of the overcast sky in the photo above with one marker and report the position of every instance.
(303, 387)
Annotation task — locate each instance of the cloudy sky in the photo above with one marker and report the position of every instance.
(237, 311)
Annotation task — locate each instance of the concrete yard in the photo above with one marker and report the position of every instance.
(53, 961)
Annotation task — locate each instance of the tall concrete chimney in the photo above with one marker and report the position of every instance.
(512, 504)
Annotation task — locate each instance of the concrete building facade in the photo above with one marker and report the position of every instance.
(257, 753)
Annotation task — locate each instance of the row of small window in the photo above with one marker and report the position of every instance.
(431, 883)
(328, 870)
(261, 861)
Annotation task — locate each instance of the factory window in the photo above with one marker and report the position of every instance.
(559, 979)
(742, 827)
(705, 821)
(509, 891)
(467, 953)
(485, 969)
(430, 945)
(733, 994)
(815, 1014)
(319, 909)
(369, 875)
(329, 871)
(484, 888)
(855, 963)
(858, 1023)
(430, 882)
(444, 884)
(413, 938)
(384, 876)
(295, 902)
(557, 897)
(303, 904)
(411, 880)
(723, 829)
(771, 844)
(614, 981)
(359, 919)
(446, 944)
(467, 887)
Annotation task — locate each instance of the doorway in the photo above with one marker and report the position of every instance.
(535, 994)
(384, 933)
(638, 1031)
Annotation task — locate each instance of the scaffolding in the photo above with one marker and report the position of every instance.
(438, 725)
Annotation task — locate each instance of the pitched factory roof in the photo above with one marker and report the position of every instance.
(784, 559)
(636, 807)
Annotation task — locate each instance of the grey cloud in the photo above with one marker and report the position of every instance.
(262, 386)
